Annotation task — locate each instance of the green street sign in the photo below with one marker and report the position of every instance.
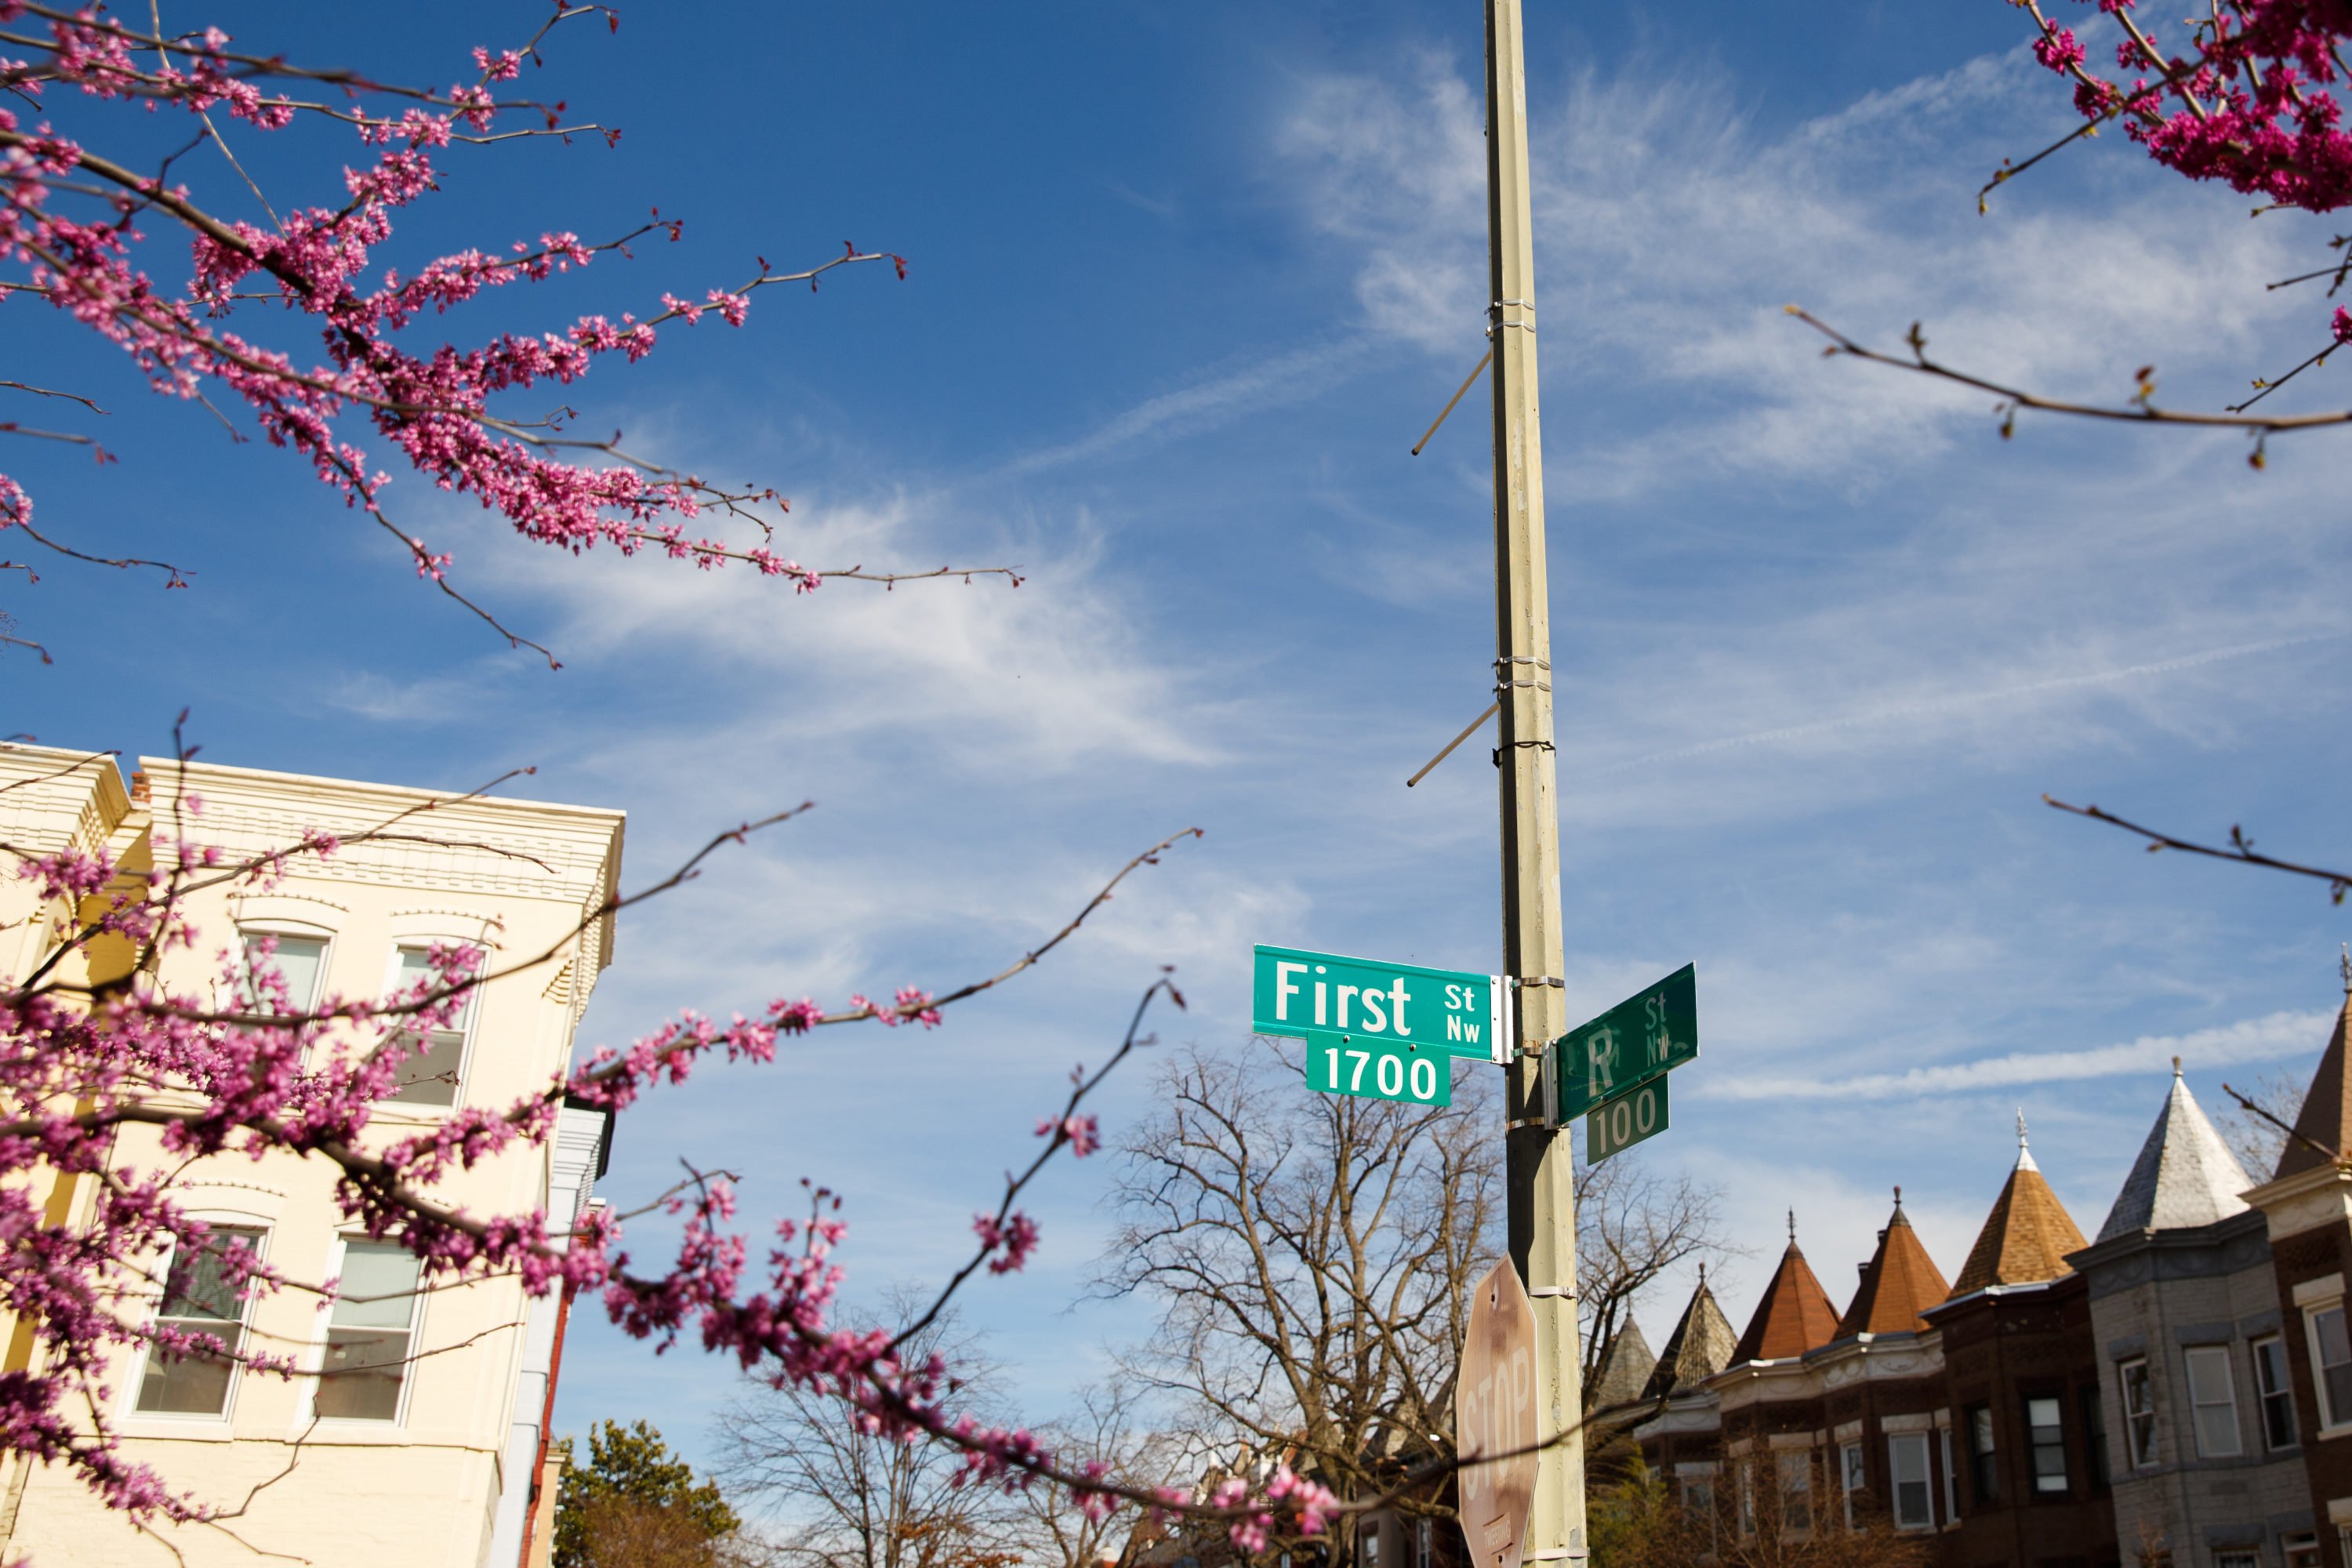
(1444, 1011)
(1380, 1069)
(1616, 1125)
(1639, 1038)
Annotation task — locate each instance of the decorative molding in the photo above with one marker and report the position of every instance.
(2326, 1287)
(1847, 1431)
(1909, 1421)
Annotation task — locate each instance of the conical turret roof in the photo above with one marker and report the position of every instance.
(1701, 1345)
(1796, 1314)
(2185, 1175)
(1624, 1369)
(2027, 1237)
(2326, 1116)
(1899, 1283)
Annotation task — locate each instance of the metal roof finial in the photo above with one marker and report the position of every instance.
(1792, 1227)
(2346, 964)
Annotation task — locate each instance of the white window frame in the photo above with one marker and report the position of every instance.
(2332, 1422)
(476, 1001)
(2202, 1399)
(2132, 1419)
(1850, 1475)
(318, 1359)
(128, 1397)
(302, 930)
(1951, 1478)
(2263, 1395)
(1926, 1481)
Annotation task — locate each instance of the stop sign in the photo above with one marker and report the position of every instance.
(1495, 1413)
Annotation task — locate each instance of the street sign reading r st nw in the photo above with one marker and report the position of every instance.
(1631, 1043)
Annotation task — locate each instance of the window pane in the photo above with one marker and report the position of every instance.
(296, 962)
(414, 968)
(362, 1368)
(1906, 1454)
(2214, 1400)
(2139, 1412)
(197, 1300)
(2277, 1397)
(430, 1077)
(379, 1284)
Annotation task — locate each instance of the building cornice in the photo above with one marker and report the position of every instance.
(2304, 1201)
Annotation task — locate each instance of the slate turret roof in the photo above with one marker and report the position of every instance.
(1899, 1283)
(1624, 1369)
(2186, 1176)
(1701, 1345)
(1796, 1314)
(2027, 1237)
(2326, 1115)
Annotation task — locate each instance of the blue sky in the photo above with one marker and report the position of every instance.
(1186, 283)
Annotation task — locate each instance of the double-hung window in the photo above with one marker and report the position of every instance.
(434, 1062)
(199, 1303)
(1984, 1475)
(2139, 1411)
(2045, 1430)
(2212, 1401)
(364, 1368)
(1906, 1465)
(2331, 1363)
(281, 971)
(1797, 1492)
(1951, 1478)
(2276, 1392)
(1850, 1468)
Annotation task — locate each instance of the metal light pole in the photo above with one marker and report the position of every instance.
(1542, 1196)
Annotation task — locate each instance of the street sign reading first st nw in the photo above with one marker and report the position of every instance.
(1388, 1030)
(1637, 1040)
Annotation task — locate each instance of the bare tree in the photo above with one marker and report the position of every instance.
(2258, 1139)
(1108, 1429)
(1632, 1224)
(1312, 1255)
(843, 1495)
(1782, 1517)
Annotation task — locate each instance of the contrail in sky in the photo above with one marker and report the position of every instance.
(2271, 1038)
(1964, 700)
(1285, 378)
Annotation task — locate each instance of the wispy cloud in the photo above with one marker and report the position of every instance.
(1931, 707)
(1214, 399)
(2267, 1038)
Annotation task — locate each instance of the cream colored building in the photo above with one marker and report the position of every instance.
(426, 1444)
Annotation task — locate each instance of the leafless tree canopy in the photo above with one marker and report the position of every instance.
(2258, 1144)
(1107, 1429)
(1312, 1256)
(1632, 1224)
(842, 1496)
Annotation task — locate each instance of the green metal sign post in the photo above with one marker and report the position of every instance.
(1641, 1038)
(1616, 1125)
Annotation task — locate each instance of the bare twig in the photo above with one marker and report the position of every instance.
(2241, 849)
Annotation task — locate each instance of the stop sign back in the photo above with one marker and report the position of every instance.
(1494, 1398)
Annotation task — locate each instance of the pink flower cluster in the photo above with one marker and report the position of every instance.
(2249, 100)
(72, 224)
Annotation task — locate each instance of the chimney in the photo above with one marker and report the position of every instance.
(139, 792)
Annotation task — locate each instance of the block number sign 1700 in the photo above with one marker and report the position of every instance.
(1385, 1069)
